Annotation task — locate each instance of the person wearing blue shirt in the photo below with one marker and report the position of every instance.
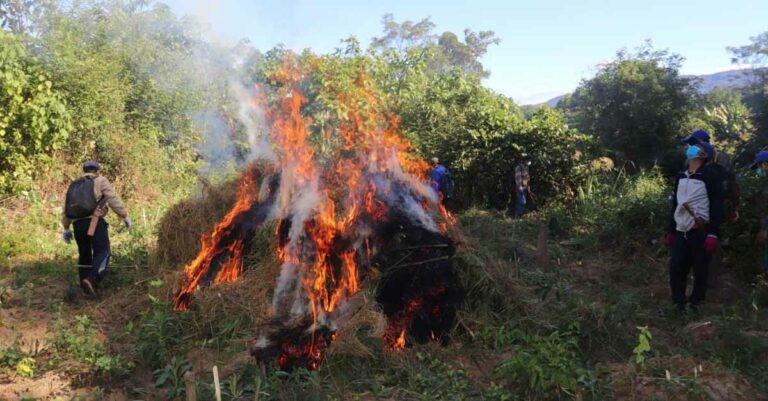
(438, 175)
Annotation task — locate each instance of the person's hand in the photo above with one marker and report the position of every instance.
(710, 244)
(735, 216)
(762, 237)
(128, 223)
(67, 236)
(670, 239)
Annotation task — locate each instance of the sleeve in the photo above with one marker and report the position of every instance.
(65, 221)
(671, 225)
(109, 193)
(715, 194)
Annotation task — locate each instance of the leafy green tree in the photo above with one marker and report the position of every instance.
(723, 113)
(756, 54)
(445, 52)
(636, 105)
(34, 119)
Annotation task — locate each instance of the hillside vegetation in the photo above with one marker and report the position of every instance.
(570, 302)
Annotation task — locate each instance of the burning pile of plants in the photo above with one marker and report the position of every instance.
(353, 210)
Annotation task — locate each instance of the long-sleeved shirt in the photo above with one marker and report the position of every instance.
(702, 192)
(102, 188)
(437, 177)
(522, 177)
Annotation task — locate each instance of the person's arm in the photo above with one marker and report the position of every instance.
(671, 224)
(715, 194)
(65, 221)
(105, 190)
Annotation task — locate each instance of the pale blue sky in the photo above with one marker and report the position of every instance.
(547, 47)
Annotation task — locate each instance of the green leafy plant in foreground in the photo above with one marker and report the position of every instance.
(171, 376)
(77, 339)
(643, 345)
(544, 365)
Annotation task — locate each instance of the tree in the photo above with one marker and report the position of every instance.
(636, 105)
(34, 120)
(445, 52)
(723, 113)
(756, 54)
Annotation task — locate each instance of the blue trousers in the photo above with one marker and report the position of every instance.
(520, 201)
(94, 252)
(688, 252)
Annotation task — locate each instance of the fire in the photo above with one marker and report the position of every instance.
(399, 343)
(217, 245)
(336, 188)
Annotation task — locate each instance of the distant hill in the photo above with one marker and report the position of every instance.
(709, 82)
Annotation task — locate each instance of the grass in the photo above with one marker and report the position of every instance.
(515, 338)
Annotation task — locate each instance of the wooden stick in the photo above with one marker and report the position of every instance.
(216, 385)
(189, 381)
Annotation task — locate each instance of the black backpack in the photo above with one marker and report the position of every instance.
(80, 201)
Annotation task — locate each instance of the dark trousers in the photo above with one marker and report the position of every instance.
(520, 201)
(688, 252)
(94, 251)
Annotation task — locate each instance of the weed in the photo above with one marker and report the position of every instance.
(643, 345)
(78, 340)
(158, 334)
(543, 365)
(171, 377)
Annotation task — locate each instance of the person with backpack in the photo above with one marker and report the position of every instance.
(694, 225)
(724, 169)
(441, 181)
(522, 187)
(87, 202)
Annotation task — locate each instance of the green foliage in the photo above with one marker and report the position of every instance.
(643, 345)
(724, 115)
(22, 362)
(481, 136)
(158, 334)
(611, 201)
(445, 52)
(543, 365)
(756, 54)
(636, 105)
(171, 377)
(34, 121)
(78, 340)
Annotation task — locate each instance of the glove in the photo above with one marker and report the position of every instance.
(67, 236)
(127, 222)
(670, 239)
(710, 244)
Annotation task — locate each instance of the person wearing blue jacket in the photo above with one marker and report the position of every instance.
(694, 225)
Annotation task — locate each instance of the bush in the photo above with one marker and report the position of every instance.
(614, 208)
(543, 365)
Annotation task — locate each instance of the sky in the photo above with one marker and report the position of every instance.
(547, 46)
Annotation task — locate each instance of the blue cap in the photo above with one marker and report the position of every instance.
(761, 156)
(698, 136)
(708, 149)
(90, 165)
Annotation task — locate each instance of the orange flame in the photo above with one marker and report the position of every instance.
(231, 267)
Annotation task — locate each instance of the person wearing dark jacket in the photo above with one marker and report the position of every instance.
(724, 168)
(761, 169)
(694, 225)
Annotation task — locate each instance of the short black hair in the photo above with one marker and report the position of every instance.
(90, 169)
